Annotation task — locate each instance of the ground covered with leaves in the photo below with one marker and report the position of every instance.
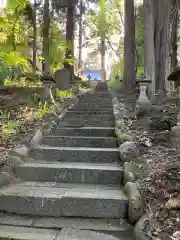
(159, 181)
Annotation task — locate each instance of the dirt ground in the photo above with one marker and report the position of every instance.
(159, 181)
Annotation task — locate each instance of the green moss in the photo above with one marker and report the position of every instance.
(124, 137)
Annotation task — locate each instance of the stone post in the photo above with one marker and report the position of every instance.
(49, 83)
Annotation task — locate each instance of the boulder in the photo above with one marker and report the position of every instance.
(175, 131)
(129, 172)
(143, 229)
(6, 178)
(135, 203)
(128, 151)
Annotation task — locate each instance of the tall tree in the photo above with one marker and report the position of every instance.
(174, 33)
(80, 34)
(103, 24)
(156, 44)
(34, 37)
(129, 46)
(46, 27)
(70, 39)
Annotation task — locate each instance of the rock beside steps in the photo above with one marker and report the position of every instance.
(75, 181)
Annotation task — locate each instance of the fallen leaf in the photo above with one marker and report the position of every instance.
(172, 204)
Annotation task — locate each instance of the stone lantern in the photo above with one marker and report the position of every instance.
(48, 83)
(143, 102)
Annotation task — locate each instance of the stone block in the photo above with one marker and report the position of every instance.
(175, 131)
(70, 173)
(21, 152)
(25, 233)
(123, 137)
(95, 203)
(70, 154)
(37, 138)
(128, 151)
(135, 203)
(76, 141)
(6, 178)
(143, 228)
(85, 131)
(129, 172)
(63, 79)
(69, 234)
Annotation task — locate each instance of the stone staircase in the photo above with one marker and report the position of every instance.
(75, 182)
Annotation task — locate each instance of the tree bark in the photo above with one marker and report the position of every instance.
(174, 36)
(149, 48)
(45, 52)
(129, 47)
(103, 51)
(70, 39)
(34, 38)
(160, 40)
(156, 42)
(80, 35)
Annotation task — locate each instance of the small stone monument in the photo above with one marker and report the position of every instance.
(49, 83)
(63, 79)
(143, 102)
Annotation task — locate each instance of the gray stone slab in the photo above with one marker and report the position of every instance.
(110, 225)
(77, 141)
(42, 201)
(15, 220)
(84, 201)
(88, 117)
(70, 154)
(23, 233)
(71, 185)
(86, 112)
(89, 108)
(63, 79)
(95, 105)
(71, 173)
(94, 203)
(84, 123)
(115, 227)
(85, 131)
(74, 234)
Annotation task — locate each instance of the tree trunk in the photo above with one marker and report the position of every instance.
(80, 36)
(160, 41)
(70, 39)
(103, 51)
(45, 52)
(34, 38)
(149, 48)
(174, 36)
(156, 41)
(129, 47)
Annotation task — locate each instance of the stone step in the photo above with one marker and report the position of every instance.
(75, 154)
(37, 228)
(25, 233)
(79, 141)
(80, 108)
(95, 104)
(88, 118)
(60, 200)
(71, 172)
(95, 100)
(85, 131)
(86, 115)
(86, 123)
(93, 112)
